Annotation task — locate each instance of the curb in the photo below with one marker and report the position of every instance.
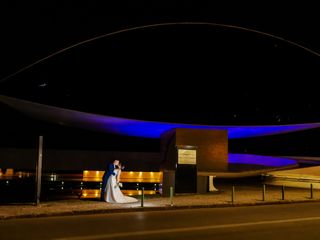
(148, 209)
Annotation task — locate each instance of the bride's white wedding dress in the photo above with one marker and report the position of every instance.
(113, 192)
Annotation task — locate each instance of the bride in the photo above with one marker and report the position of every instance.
(113, 192)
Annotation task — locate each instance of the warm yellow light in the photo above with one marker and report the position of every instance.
(93, 193)
(152, 177)
(94, 176)
(10, 172)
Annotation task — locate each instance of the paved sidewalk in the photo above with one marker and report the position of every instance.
(244, 196)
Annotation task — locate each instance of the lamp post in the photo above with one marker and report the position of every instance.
(39, 171)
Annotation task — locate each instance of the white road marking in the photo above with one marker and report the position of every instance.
(186, 229)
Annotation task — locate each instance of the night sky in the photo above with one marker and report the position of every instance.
(163, 73)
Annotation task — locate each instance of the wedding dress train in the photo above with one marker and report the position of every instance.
(113, 192)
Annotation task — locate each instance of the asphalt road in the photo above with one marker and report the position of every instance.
(284, 221)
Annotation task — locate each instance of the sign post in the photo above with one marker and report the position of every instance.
(186, 169)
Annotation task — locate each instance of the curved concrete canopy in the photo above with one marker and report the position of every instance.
(137, 128)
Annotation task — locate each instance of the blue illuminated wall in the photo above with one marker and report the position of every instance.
(260, 160)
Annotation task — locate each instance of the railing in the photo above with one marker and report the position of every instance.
(86, 185)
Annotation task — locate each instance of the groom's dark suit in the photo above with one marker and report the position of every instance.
(109, 171)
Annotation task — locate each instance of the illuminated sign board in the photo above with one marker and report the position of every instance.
(187, 156)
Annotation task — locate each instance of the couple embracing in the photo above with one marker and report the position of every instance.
(110, 191)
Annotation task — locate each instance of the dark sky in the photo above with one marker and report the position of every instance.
(163, 73)
(252, 75)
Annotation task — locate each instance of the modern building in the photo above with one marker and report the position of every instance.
(189, 154)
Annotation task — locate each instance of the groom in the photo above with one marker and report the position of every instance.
(109, 171)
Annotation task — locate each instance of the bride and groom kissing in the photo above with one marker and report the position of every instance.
(110, 191)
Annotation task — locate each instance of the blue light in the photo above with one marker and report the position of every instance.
(149, 129)
(260, 160)
(138, 128)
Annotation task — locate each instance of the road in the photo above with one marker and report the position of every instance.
(284, 221)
